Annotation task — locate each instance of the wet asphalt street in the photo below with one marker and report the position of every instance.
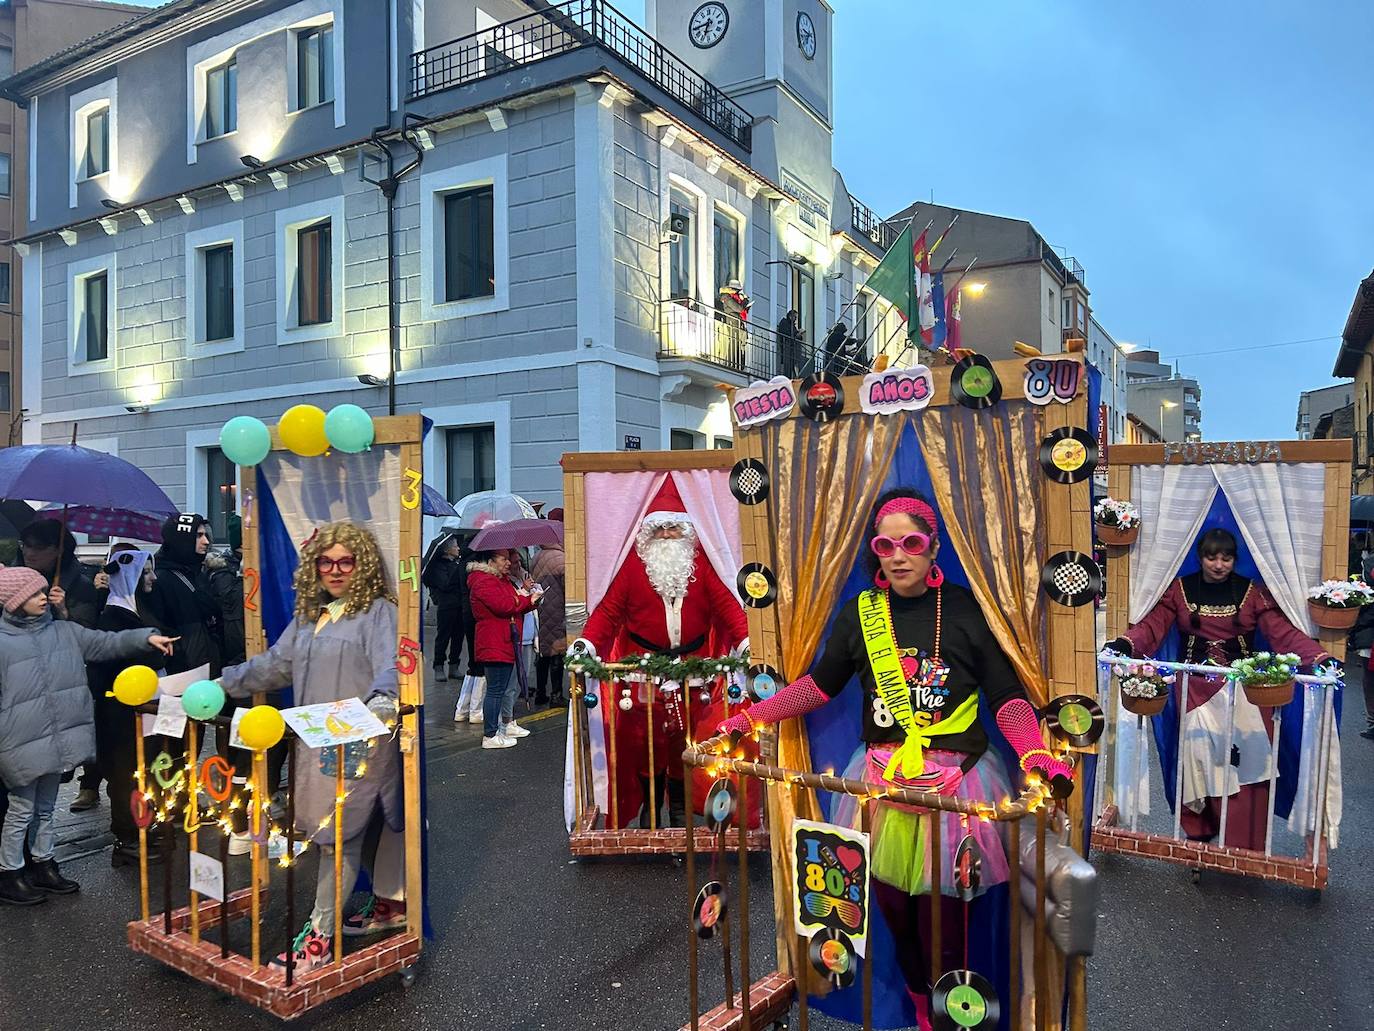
(526, 939)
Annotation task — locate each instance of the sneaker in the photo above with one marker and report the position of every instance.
(86, 800)
(440, 676)
(377, 915)
(240, 844)
(312, 951)
(499, 741)
(475, 717)
(513, 729)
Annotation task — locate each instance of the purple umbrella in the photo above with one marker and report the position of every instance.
(518, 533)
(434, 503)
(73, 475)
(112, 522)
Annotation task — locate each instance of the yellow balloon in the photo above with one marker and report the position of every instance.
(135, 685)
(261, 727)
(302, 430)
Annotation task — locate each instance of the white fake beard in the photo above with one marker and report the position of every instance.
(669, 563)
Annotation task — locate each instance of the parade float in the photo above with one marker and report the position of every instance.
(311, 473)
(1001, 452)
(1215, 701)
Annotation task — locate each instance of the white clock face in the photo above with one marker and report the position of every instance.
(708, 24)
(806, 35)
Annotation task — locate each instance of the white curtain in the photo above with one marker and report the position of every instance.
(1279, 509)
(1303, 819)
(1173, 501)
(715, 515)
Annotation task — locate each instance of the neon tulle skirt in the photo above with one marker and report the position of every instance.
(900, 852)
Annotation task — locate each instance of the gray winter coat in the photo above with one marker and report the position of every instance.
(47, 720)
(354, 657)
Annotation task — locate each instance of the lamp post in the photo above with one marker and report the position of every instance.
(1163, 406)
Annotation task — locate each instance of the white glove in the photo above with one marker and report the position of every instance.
(740, 650)
(384, 707)
(582, 646)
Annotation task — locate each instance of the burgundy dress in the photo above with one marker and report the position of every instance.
(1218, 622)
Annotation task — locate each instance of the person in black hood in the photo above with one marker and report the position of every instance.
(183, 595)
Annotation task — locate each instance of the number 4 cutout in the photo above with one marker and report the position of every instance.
(409, 572)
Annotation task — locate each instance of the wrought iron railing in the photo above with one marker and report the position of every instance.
(867, 223)
(690, 329)
(566, 27)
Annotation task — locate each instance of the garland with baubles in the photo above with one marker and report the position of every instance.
(658, 667)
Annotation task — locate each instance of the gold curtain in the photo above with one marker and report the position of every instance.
(981, 463)
(825, 479)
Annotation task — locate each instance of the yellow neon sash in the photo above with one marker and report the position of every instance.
(875, 623)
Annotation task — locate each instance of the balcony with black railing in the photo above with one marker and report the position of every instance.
(868, 225)
(691, 330)
(567, 27)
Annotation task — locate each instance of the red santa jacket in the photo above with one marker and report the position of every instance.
(496, 605)
(631, 617)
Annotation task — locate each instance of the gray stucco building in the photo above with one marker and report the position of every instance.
(517, 218)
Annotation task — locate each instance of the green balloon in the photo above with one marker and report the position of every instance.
(349, 429)
(203, 700)
(245, 440)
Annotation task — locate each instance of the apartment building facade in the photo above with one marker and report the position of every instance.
(516, 218)
(1171, 403)
(1313, 405)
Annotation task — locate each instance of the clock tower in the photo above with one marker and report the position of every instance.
(773, 58)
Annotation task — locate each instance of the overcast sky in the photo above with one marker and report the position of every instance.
(1207, 162)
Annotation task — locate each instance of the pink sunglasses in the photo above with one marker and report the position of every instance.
(911, 543)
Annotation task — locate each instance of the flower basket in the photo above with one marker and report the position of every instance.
(1269, 695)
(1331, 617)
(1144, 706)
(1115, 536)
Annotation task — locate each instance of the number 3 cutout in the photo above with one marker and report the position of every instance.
(410, 493)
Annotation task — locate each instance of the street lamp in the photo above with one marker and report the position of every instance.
(1162, 406)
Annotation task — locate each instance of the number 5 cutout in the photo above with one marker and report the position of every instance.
(407, 657)
(410, 493)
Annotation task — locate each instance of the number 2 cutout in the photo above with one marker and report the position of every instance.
(410, 493)
(409, 572)
(407, 657)
(250, 589)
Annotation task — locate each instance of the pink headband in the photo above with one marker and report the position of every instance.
(909, 506)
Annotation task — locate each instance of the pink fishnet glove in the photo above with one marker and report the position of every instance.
(1018, 723)
(796, 699)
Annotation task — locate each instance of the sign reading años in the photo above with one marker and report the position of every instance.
(764, 400)
(897, 390)
(1194, 452)
(830, 871)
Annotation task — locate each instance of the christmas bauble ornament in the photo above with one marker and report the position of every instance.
(734, 692)
(625, 703)
(589, 700)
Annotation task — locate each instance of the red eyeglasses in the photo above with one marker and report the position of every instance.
(324, 564)
(912, 543)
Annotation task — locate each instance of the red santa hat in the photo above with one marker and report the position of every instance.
(667, 508)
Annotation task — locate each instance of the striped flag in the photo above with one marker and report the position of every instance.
(925, 302)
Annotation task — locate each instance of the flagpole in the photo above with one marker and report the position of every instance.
(939, 239)
(911, 223)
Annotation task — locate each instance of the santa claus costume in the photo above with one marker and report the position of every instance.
(665, 599)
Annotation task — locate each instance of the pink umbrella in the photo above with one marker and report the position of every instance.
(112, 522)
(518, 533)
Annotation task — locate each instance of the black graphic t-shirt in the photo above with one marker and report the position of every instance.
(967, 647)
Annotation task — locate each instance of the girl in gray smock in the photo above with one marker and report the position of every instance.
(342, 644)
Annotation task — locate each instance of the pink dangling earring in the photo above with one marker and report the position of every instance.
(881, 582)
(935, 577)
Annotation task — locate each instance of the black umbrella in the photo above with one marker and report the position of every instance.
(14, 516)
(1362, 511)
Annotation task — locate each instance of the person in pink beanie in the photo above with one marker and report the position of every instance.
(47, 723)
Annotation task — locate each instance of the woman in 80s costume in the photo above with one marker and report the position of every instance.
(926, 642)
(342, 644)
(1217, 612)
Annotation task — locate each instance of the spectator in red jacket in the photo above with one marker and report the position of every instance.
(497, 605)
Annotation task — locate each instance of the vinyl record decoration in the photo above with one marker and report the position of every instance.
(968, 868)
(710, 908)
(1071, 578)
(757, 586)
(832, 956)
(1075, 718)
(974, 384)
(721, 803)
(764, 682)
(1068, 455)
(822, 397)
(963, 1000)
(749, 481)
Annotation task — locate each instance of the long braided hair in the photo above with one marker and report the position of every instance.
(367, 584)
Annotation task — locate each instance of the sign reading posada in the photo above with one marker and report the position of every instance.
(764, 400)
(897, 390)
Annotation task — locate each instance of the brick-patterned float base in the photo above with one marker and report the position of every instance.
(1204, 856)
(265, 988)
(588, 840)
(769, 1000)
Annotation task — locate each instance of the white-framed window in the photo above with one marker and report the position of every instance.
(310, 271)
(314, 46)
(212, 481)
(92, 303)
(4, 175)
(5, 286)
(214, 290)
(682, 247)
(471, 458)
(727, 240)
(94, 134)
(222, 99)
(471, 443)
(464, 240)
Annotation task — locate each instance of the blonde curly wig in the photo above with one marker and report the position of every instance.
(367, 584)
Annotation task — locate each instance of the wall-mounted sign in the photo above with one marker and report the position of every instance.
(897, 390)
(632, 443)
(764, 400)
(1195, 452)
